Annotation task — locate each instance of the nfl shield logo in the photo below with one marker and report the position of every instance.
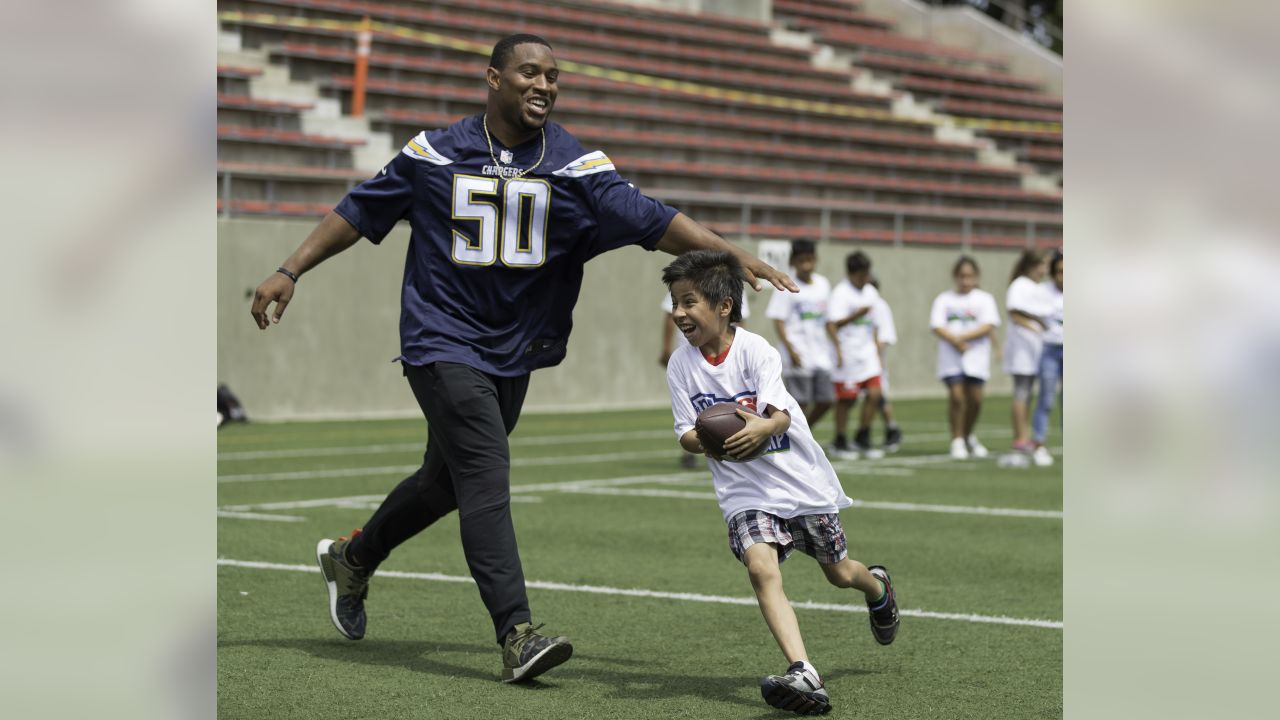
(506, 157)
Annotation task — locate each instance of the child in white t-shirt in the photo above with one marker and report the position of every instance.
(786, 499)
(800, 321)
(857, 356)
(1050, 364)
(886, 335)
(1027, 303)
(963, 319)
(688, 461)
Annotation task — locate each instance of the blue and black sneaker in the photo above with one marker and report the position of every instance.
(348, 586)
(884, 616)
(801, 692)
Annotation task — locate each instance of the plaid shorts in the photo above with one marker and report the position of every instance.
(819, 536)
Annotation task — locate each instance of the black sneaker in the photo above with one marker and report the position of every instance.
(862, 441)
(348, 587)
(800, 692)
(526, 654)
(892, 439)
(884, 622)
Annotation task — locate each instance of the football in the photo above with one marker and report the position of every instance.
(718, 423)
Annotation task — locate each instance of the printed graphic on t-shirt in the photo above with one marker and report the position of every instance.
(702, 401)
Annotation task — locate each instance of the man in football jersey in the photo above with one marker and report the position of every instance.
(505, 208)
(800, 321)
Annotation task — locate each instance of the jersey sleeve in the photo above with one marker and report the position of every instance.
(779, 307)
(624, 215)
(938, 314)
(375, 206)
(681, 408)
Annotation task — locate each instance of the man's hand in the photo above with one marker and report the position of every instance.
(757, 268)
(744, 442)
(278, 289)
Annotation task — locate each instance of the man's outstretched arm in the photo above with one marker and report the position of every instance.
(331, 236)
(683, 235)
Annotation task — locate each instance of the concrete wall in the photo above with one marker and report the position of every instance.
(331, 355)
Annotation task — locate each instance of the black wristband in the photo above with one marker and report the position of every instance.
(287, 274)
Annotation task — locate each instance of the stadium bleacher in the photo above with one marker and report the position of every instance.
(797, 151)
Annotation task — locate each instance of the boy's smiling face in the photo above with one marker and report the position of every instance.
(700, 323)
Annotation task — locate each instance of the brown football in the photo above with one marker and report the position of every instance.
(719, 423)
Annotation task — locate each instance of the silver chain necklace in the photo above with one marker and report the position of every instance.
(489, 139)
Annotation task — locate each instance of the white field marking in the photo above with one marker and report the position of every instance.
(688, 597)
(363, 501)
(259, 516)
(863, 504)
(406, 469)
(532, 440)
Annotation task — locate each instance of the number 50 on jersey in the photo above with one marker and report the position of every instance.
(512, 220)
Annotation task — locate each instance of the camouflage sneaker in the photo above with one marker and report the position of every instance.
(526, 654)
(348, 587)
(884, 622)
(803, 693)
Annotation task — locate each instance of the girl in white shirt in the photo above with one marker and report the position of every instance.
(1050, 364)
(1027, 303)
(963, 319)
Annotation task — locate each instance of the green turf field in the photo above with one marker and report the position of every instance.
(601, 506)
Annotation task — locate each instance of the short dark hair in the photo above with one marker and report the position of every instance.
(857, 261)
(803, 247)
(1055, 261)
(504, 48)
(965, 260)
(715, 274)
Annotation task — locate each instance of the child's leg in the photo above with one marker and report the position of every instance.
(842, 417)
(1050, 373)
(972, 407)
(886, 411)
(869, 406)
(1022, 409)
(849, 573)
(956, 410)
(766, 577)
(819, 410)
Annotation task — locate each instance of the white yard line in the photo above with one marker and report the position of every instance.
(864, 504)
(259, 516)
(531, 441)
(663, 595)
(406, 469)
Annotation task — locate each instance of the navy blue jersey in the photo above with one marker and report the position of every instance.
(495, 262)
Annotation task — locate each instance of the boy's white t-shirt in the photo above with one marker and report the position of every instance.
(804, 317)
(793, 477)
(857, 339)
(1022, 345)
(1053, 335)
(962, 313)
(882, 318)
(668, 305)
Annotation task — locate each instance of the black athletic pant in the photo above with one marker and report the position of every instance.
(466, 467)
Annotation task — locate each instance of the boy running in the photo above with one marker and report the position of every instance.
(788, 498)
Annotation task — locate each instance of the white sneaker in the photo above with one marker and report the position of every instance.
(958, 449)
(976, 448)
(1042, 457)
